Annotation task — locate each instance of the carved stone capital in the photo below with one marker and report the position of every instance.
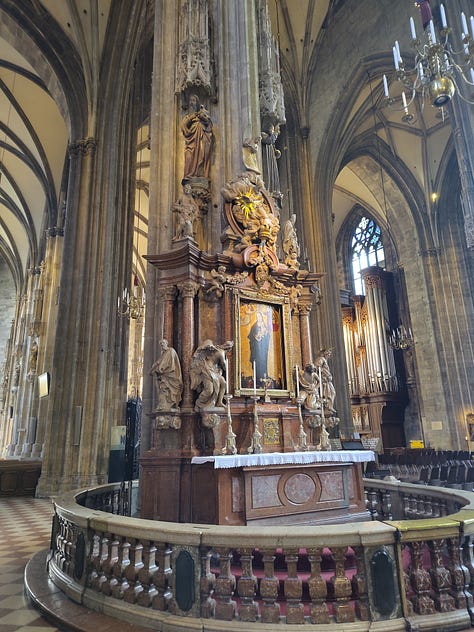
(168, 293)
(189, 289)
(83, 147)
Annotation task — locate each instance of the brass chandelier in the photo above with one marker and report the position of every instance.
(438, 67)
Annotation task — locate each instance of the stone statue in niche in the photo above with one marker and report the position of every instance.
(309, 383)
(290, 245)
(208, 366)
(169, 380)
(328, 390)
(270, 156)
(196, 127)
(250, 154)
(33, 357)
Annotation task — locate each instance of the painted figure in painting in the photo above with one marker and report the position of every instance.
(169, 381)
(259, 341)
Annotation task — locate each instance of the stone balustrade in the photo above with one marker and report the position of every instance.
(388, 574)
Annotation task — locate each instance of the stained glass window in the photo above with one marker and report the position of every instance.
(366, 250)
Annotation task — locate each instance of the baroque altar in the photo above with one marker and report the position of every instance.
(236, 375)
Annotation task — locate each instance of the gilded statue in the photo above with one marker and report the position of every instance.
(169, 380)
(208, 367)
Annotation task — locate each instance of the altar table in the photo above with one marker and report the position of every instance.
(279, 488)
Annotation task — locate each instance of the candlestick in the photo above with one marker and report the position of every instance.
(297, 382)
(226, 365)
(412, 27)
(395, 58)
(385, 86)
(254, 378)
(404, 101)
(320, 385)
(443, 16)
(432, 32)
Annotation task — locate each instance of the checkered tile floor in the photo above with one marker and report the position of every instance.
(25, 527)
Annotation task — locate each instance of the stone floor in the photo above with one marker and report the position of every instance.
(25, 527)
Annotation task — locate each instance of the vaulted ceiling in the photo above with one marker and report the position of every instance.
(34, 130)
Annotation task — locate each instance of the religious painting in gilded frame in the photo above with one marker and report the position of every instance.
(262, 345)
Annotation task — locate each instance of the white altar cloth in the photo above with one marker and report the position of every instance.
(284, 458)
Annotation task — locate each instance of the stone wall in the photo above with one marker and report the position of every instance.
(7, 306)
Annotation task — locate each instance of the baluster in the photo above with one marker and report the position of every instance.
(68, 532)
(147, 574)
(420, 507)
(459, 576)
(108, 581)
(406, 506)
(119, 568)
(359, 586)
(318, 590)
(94, 562)
(59, 542)
(387, 504)
(413, 507)
(428, 511)
(406, 584)
(131, 593)
(103, 554)
(440, 577)
(224, 587)
(435, 508)
(269, 587)
(342, 588)
(207, 582)
(163, 577)
(420, 581)
(293, 589)
(247, 587)
(372, 502)
(468, 559)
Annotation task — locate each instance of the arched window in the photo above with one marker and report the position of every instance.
(366, 250)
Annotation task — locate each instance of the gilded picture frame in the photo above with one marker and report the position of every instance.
(263, 345)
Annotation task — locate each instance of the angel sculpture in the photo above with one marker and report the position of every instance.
(207, 368)
(309, 382)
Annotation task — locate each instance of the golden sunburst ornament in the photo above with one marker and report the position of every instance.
(246, 201)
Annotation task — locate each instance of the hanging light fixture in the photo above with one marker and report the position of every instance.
(401, 338)
(438, 67)
(131, 304)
